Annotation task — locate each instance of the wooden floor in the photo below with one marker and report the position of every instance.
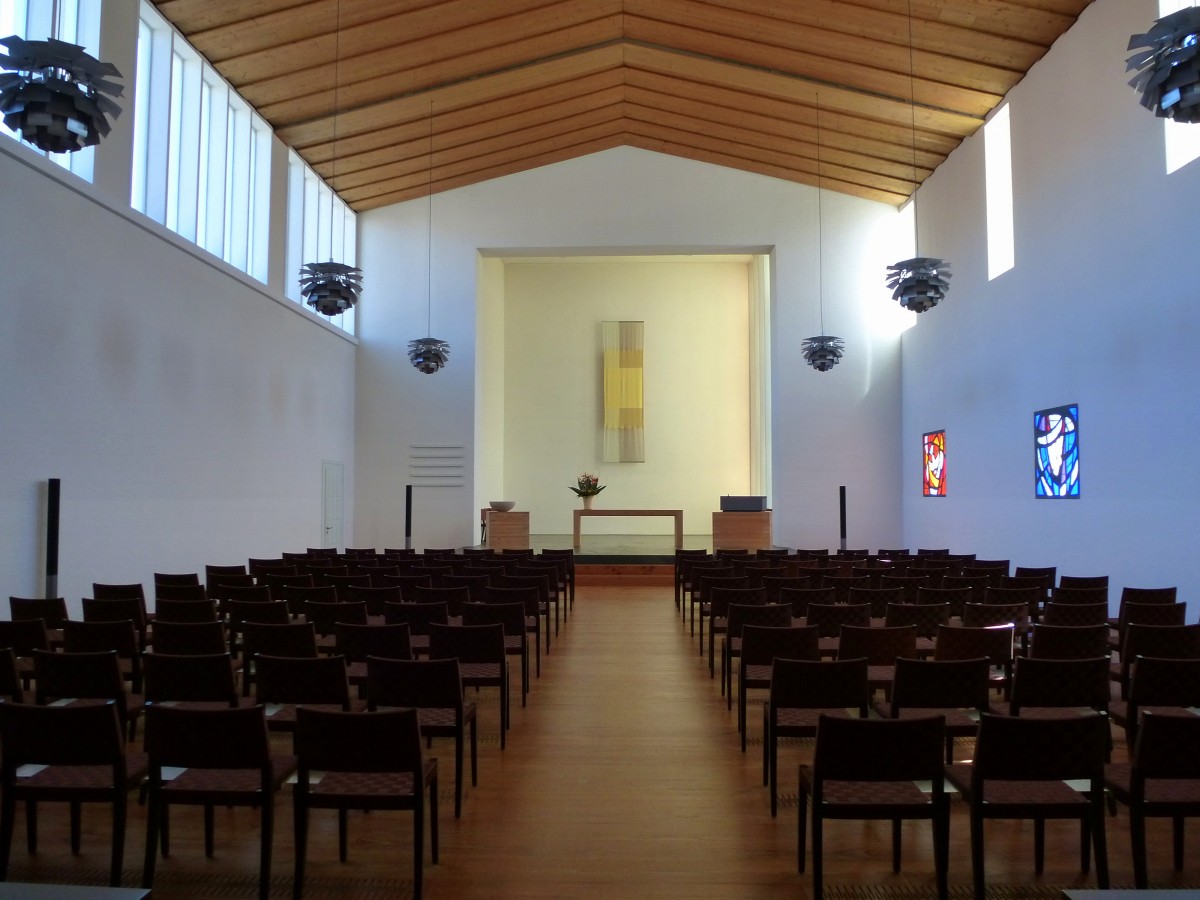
(622, 778)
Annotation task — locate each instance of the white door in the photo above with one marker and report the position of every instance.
(331, 503)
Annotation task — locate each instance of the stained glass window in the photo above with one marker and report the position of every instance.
(1056, 452)
(934, 467)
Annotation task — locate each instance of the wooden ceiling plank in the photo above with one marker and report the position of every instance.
(193, 16)
(1008, 18)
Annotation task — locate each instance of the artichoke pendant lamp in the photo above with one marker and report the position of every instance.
(822, 351)
(331, 288)
(429, 354)
(56, 94)
(1168, 66)
(919, 283)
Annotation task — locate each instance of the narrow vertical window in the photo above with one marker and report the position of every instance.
(997, 149)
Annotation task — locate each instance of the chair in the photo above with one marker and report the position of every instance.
(1055, 613)
(1068, 641)
(881, 647)
(214, 574)
(283, 683)
(434, 688)
(376, 598)
(761, 646)
(1022, 769)
(842, 584)
(955, 689)
(531, 597)
(996, 642)
(192, 578)
(291, 639)
(368, 761)
(955, 598)
(549, 578)
(482, 659)
(869, 769)
(407, 579)
(1082, 594)
(91, 637)
(698, 572)
(1163, 686)
(830, 619)
(1162, 778)
(23, 636)
(194, 593)
(1161, 641)
(927, 618)
(719, 601)
(184, 611)
(981, 615)
(417, 616)
(1083, 581)
(1146, 614)
(707, 584)
(801, 690)
(910, 584)
(800, 598)
(241, 612)
(773, 584)
(202, 679)
(511, 616)
(11, 688)
(877, 598)
(1058, 688)
(297, 597)
(1140, 595)
(566, 560)
(119, 609)
(189, 638)
(85, 676)
(74, 754)
(325, 617)
(51, 610)
(739, 615)
(226, 760)
(453, 597)
(356, 643)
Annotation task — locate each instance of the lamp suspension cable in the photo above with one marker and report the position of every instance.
(822, 351)
(429, 234)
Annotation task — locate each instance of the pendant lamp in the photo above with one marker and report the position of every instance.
(1168, 66)
(822, 351)
(429, 354)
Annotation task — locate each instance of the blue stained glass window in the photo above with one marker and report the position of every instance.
(1056, 452)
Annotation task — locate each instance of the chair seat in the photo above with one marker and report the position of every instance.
(1118, 711)
(472, 672)
(1163, 792)
(881, 676)
(1048, 798)
(216, 786)
(959, 722)
(363, 787)
(75, 782)
(791, 718)
(282, 716)
(895, 796)
(1044, 712)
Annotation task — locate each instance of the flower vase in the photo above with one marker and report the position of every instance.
(587, 500)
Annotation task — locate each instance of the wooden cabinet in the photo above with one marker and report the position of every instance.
(741, 530)
(507, 530)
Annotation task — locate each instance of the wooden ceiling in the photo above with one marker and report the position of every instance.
(358, 87)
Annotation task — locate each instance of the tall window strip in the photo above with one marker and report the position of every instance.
(997, 148)
(321, 227)
(201, 155)
(73, 21)
(1181, 139)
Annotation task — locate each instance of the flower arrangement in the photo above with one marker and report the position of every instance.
(587, 485)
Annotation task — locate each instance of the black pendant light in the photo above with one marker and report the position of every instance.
(331, 288)
(919, 283)
(429, 354)
(822, 351)
(57, 95)
(1168, 66)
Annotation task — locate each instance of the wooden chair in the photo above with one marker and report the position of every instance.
(1081, 594)
(283, 683)
(376, 598)
(11, 688)
(1161, 779)
(356, 643)
(92, 637)
(203, 679)
(1161, 641)
(289, 639)
(1023, 769)
(189, 638)
(761, 646)
(23, 636)
(719, 601)
(1054, 613)
(1058, 688)
(878, 598)
(119, 609)
(511, 617)
(368, 761)
(955, 689)
(189, 611)
(531, 597)
(1083, 581)
(1068, 641)
(739, 615)
(453, 597)
(880, 647)
(74, 754)
(830, 620)
(800, 598)
(417, 616)
(240, 612)
(994, 642)
(226, 760)
(482, 658)
(185, 578)
(868, 769)
(1146, 614)
(1163, 686)
(51, 610)
(434, 688)
(84, 677)
(801, 690)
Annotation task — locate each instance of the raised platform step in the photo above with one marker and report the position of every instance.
(625, 574)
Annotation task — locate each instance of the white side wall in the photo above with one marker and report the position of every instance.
(831, 429)
(186, 410)
(1100, 310)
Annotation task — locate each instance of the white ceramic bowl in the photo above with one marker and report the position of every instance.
(502, 505)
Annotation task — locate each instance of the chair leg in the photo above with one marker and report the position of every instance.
(818, 849)
(343, 834)
(418, 840)
(8, 812)
(895, 845)
(118, 837)
(209, 827)
(300, 829)
(1101, 843)
(1177, 841)
(153, 820)
(1137, 838)
(268, 832)
(31, 830)
(76, 816)
(802, 830)
(774, 777)
(433, 818)
(977, 850)
(941, 848)
(474, 756)
(766, 742)
(1039, 845)
(458, 773)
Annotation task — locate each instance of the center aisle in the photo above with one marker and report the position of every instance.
(621, 778)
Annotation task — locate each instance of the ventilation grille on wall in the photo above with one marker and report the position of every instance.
(437, 465)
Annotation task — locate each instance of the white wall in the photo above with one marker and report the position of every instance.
(829, 429)
(1100, 310)
(186, 411)
(696, 345)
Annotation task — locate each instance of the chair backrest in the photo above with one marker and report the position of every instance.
(739, 615)
(102, 591)
(293, 679)
(1167, 746)
(1012, 748)
(117, 609)
(190, 738)
(955, 598)
(324, 617)
(800, 598)
(720, 599)
(184, 611)
(1088, 581)
(763, 644)
(120, 637)
(830, 618)
(510, 616)
(474, 583)
(808, 684)
(453, 597)
(1163, 682)
(1031, 597)
(927, 618)
(358, 642)
(879, 750)
(189, 678)
(966, 642)
(980, 615)
(189, 638)
(910, 585)
(1048, 574)
(84, 735)
(51, 610)
(424, 683)
(1163, 641)
(529, 596)
(1079, 594)
(842, 584)
(80, 675)
(1075, 613)
(878, 598)
(298, 596)
(1069, 641)
(257, 564)
(192, 578)
(418, 616)
(214, 574)
(772, 584)
(10, 678)
(409, 578)
(258, 593)
(467, 643)
(297, 639)
(991, 566)
(241, 611)
(940, 684)
(880, 646)
(1149, 595)
(24, 636)
(386, 741)
(1069, 683)
(1152, 614)
(376, 598)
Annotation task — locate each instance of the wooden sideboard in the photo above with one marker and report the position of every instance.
(741, 530)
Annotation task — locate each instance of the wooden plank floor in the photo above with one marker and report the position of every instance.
(622, 778)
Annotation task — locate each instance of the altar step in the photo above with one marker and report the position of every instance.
(625, 574)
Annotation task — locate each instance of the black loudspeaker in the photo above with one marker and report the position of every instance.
(52, 501)
(408, 517)
(842, 513)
